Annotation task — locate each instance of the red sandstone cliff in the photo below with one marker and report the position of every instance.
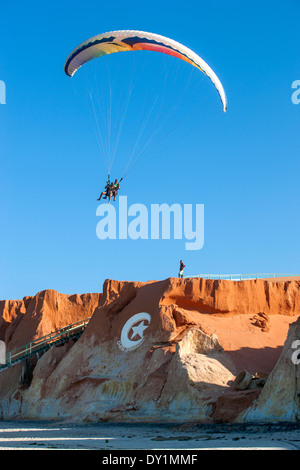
(23, 320)
(176, 361)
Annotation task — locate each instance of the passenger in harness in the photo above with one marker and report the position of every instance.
(115, 188)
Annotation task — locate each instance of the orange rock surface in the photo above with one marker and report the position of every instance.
(178, 363)
(22, 321)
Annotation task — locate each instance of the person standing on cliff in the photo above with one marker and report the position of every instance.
(181, 268)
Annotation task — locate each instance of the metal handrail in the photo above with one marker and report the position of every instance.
(240, 277)
(45, 341)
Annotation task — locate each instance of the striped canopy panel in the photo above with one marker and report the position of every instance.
(118, 41)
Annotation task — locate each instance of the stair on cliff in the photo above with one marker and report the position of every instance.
(40, 345)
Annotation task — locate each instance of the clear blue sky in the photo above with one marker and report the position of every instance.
(242, 165)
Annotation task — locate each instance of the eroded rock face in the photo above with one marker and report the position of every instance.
(280, 397)
(156, 351)
(22, 321)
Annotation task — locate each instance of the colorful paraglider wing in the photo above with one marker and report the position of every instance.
(117, 41)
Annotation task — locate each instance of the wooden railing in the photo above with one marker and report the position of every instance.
(41, 344)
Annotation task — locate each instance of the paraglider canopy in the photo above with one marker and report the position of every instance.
(128, 40)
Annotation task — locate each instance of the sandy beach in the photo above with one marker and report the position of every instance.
(110, 437)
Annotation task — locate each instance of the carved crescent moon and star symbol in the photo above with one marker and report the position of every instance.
(132, 335)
